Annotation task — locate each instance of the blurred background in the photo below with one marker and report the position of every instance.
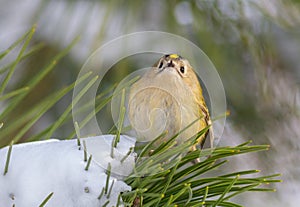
(254, 44)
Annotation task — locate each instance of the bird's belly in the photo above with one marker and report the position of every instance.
(153, 111)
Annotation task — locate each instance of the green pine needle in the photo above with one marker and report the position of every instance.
(88, 163)
(46, 200)
(8, 157)
(108, 171)
(184, 183)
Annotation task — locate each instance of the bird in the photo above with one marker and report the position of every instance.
(167, 98)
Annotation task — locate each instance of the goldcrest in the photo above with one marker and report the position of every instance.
(168, 97)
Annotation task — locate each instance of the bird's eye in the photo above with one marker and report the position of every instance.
(160, 64)
(182, 69)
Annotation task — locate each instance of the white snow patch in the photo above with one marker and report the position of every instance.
(38, 168)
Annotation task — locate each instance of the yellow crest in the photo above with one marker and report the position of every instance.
(174, 56)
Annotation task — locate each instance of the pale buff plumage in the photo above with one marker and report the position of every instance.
(168, 97)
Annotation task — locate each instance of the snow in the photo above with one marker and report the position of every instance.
(37, 169)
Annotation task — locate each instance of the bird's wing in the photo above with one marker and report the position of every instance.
(205, 113)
